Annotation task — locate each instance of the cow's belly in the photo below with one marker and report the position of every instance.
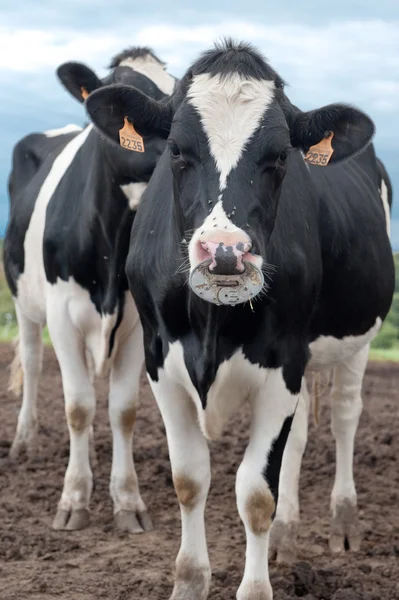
(72, 306)
(328, 351)
(236, 381)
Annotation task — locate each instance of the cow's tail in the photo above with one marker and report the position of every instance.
(16, 378)
(318, 390)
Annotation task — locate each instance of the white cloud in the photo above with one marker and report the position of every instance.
(34, 50)
(354, 61)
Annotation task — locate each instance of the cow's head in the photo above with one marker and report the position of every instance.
(138, 67)
(231, 135)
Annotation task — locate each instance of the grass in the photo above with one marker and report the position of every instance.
(384, 354)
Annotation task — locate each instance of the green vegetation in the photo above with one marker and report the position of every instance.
(384, 347)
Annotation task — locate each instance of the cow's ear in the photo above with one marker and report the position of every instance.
(111, 105)
(331, 134)
(78, 79)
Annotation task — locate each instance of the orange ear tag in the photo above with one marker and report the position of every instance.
(130, 139)
(320, 153)
(84, 92)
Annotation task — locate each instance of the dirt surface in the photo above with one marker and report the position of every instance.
(38, 563)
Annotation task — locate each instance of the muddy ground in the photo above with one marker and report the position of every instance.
(38, 563)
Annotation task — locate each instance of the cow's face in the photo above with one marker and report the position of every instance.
(231, 133)
(137, 67)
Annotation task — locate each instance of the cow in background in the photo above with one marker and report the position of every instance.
(73, 197)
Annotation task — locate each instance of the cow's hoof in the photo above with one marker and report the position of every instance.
(192, 582)
(71, 520)
(24, 444)
(132, 521)
(282, 542)
(345, 529)
(255, 590)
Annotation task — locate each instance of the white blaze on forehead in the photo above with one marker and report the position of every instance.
(154, 70)
(230, 109)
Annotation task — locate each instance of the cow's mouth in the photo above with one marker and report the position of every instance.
(226, 289)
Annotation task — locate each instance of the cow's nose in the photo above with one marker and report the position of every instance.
(227, 255)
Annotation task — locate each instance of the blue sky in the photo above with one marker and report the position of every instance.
(348, 51)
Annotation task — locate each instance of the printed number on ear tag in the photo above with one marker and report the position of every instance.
(320, 153)
(130, 139)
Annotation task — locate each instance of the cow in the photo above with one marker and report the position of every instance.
(73, 199)
(250, 267)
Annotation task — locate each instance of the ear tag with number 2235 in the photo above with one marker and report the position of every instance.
(129, 138)
(320, 153)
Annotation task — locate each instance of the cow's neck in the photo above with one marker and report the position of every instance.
(106, 211)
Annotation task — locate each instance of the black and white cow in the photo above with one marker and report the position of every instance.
(72, 195)
(250, 266)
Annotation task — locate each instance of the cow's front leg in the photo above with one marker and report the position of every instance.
(129, 509)
(189, 456)
(284, 531)
(273, 409)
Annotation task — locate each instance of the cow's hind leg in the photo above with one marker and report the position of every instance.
(129, 509)
(257, 483)
(30, 354)
(189, 456)
(73, 507)
(346, 410)
(284, 531)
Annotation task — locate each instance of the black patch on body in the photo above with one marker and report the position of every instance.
(271, 472)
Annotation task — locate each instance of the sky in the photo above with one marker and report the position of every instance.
(346, 51)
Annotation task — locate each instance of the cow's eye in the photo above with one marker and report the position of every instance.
(175, 151)
(282, 159)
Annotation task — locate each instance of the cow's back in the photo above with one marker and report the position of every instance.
(36, 160)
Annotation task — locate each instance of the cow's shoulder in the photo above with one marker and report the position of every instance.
(30, 155)
(34, 158)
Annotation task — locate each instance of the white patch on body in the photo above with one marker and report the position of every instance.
(95, 328)
(32, 283)
(230, 110)
(235, 380)
(154, 70)
(385, 204)
(133, 192)
(328, 351)
(62, 131)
